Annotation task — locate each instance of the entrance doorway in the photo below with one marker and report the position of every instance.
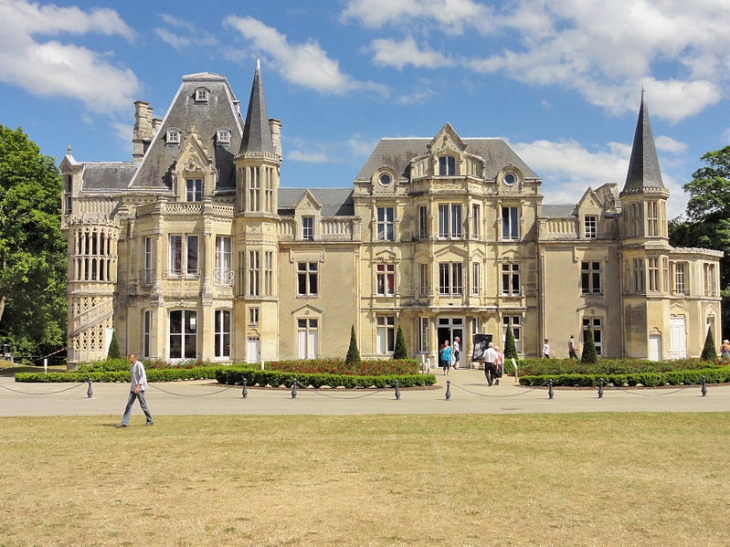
(449, 328)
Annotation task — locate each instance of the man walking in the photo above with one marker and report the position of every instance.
(489, 359)
(136, 391)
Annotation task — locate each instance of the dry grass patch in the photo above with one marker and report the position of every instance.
(593, 479)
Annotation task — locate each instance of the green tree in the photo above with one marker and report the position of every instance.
(589, 355)
(32, 248)
(510, 347)
(353, 354)
(401, 350)
(114, 351)
(709, 353)
(708, 218)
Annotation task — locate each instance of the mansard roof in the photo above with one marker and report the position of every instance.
(398, 152)
(644, 173)
(218, 111)
(334, 201)
(257, 133)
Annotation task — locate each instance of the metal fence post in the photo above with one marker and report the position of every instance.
(244, 392)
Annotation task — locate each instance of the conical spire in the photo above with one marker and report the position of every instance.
(257, 132)
(644, 172)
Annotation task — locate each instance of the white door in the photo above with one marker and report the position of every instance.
(655, 347)
(677, 337)
(253, 350)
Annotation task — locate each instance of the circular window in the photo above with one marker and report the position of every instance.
(385, 179)
(510, 178)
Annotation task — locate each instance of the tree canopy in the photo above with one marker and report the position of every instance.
(32, 248)
(708, 213)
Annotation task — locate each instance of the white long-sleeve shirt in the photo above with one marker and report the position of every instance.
(139, 377)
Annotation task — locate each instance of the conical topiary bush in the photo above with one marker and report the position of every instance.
(590, 355)
(401, 351)
(353, 354)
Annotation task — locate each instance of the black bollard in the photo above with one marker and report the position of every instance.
(704, 386)
(244, 393)
(294, 389)
(397, 391)
(550, 388)
(448, 389)
(89, 392)
(601, 381)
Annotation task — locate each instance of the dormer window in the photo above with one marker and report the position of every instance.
(172, 136)
(385, 179)
(201, 95)
(447, 166)
(223, 136)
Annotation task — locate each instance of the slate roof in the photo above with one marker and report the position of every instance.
(644, 169)
(558, 210)
(257, 133)
(397, 152)
(107, 176)
(334, 201)
(218, 112)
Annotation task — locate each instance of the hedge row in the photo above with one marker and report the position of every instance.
(153, 375)
(546, 367)
(235, 376)
(647, 379)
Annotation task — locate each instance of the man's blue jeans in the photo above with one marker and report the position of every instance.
(142, 403)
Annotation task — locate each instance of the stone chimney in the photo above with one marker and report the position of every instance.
(275, 126)
(143, 130)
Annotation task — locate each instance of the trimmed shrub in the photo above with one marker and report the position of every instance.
(114, 351)
(510, 347)
(709, 353)
(353, 354)
(401, 350)
(590, 355)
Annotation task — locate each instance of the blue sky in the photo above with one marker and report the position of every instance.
(560, 80)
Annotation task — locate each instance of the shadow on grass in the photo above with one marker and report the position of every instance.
(8, 369)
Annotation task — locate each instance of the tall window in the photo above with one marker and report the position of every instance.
(147, 334)
(511, 279)
(424, 279)
(476, 280)
(183, 255)
(269, 191)
(596, 323)
(307, 278)
(149, 262)
(308, 228)
(223, 261)
(510, 223)
(385, 334)
(451, 278)
(194, 189)
(269, 273)
(307, 338)
(665, 274)
(639, 275)
(222, 339)
(475, 221)
(254, 189)
(253, 316)
(423, 335)
(710, 285)
(183, 334)
(422, 222)
(254, 273)
(450, 223)
(636, 220)
(386, 226)
(653, 274)
(514, 321)
(590, 277)
(652, 218)
(447, 166)
(591, 225)
(680, 278)
(385, 279)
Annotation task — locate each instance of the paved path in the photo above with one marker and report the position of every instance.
(468, 395)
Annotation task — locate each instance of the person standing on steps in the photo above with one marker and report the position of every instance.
(136, 391)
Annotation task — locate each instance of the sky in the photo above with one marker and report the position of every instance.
(559, 80)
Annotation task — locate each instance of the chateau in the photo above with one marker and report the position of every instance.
(194, 250)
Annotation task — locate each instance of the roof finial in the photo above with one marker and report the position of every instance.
(258, 62)
(68, 150)
(642, 93)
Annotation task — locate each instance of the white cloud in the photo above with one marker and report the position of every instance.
(179, 41)
(360, 146)
(389, 52)
(452, 16)
(307, 157)
(55, 68)
(567, 170)
(305, 64)
(678, 50)
(668, 144)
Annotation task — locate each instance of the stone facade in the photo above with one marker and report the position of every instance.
(193, 250)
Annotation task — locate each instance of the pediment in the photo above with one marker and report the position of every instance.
(453, 250)
(385, 256)
(307, 309)
(193, 157)
(590, 201)
(447, 140)
(308, 202)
